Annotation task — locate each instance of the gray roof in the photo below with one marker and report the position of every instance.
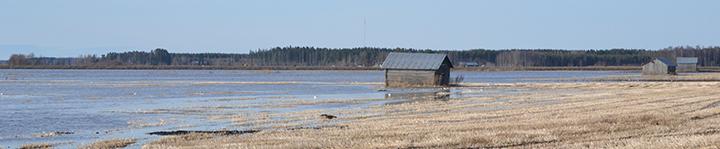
(421, 61)
(666, 61)
(471, 63)
(687, 60)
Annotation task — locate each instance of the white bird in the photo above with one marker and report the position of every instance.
(134, 93)
(315, 97)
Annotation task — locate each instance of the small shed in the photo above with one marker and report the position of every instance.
(416, 70)
(659, 66)
(687, 64)
(470, 64)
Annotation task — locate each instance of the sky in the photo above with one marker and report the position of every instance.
(70, 28)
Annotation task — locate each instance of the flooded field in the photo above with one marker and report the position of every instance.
(69, 108)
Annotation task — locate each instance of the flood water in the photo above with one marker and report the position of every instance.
(105, 104)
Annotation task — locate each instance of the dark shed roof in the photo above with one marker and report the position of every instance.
(423, 61)
(666, 61)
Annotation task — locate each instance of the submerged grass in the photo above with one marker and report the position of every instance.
(579, 115)
(37, 146)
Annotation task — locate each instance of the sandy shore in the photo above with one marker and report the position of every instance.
(560, 115)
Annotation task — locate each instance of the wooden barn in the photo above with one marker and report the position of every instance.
(659, 66)
(416, 70)
(687, 64)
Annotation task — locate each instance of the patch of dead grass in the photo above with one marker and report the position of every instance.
(181, 140)
(109, 144)
(146, 123)
(37, 146)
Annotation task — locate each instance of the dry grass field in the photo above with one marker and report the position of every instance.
(570, 115)
(682, 77)
(560, 115)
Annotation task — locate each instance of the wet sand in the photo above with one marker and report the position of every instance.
(563, 115)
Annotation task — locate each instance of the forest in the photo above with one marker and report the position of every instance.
(373, 57)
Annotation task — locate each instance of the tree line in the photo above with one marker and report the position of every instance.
(373, 57)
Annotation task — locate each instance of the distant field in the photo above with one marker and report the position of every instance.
(584, 68)
(709, 69)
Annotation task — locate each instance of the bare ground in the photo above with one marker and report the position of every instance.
(566, 115)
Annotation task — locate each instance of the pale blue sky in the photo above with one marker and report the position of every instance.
(74, 27)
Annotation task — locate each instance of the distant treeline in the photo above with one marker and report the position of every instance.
(373, 57)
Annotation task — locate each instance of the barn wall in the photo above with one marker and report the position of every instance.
(657, 68)
(410, 78)
(443, 74)
(687, 68)
(654, 68)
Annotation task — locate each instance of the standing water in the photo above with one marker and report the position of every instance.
(75, 107)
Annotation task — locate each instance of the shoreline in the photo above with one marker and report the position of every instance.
(198, 67)
(472, 69)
